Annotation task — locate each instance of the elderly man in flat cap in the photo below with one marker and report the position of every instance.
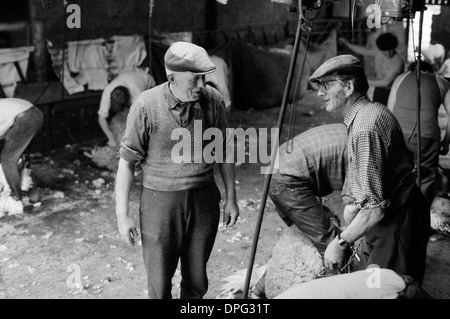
(179, 205)
(391, 216)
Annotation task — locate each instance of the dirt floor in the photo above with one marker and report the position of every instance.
(67, 245)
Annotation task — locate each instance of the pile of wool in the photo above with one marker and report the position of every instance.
(106, 156)
(234, 284)
(294, 260)
(440, 215)
(9, 205)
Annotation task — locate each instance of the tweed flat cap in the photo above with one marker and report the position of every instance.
(338, 65)
(188, 57)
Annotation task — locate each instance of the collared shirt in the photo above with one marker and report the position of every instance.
(380, 168)
(183, 112)
(320, 155)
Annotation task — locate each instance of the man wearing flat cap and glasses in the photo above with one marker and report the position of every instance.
(179, 206)
(389, 213)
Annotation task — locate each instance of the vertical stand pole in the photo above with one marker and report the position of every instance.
(419, 143)
(149, 49)
(273, 154)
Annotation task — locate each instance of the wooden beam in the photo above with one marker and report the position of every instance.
(37, 28)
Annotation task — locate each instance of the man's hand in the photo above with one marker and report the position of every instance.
(230, 213)
(128, 230)
(334, 255)
(112, 143)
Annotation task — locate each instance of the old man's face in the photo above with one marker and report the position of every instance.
(334, 94)
(189, 86)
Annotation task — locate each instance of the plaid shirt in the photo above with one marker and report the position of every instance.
(319, 155)
(380, 171)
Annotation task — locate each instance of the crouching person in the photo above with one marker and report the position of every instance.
(20, 121)
(314, 168)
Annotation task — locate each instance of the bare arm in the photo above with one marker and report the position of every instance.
(444, 147)
(124, 182)
(359, 49)
(231, 211)
(363, 221)
(104, 125)
(442, 68)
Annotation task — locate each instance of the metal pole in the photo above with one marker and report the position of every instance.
(151, 5)
(419, 143)
(274, 153)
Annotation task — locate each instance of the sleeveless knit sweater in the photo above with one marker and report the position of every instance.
(405, 109)
(160, 137)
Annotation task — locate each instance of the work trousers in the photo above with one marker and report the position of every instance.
(399, 241)
(429, 150)
(178, 226)
(26, 125)
(296, 203)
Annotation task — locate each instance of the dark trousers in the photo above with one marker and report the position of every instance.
(429, 150)
(296, 203)
(17, 139)
(178, 225)
(399, 241)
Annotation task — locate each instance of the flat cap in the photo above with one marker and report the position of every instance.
(188, 57)
(339, 65)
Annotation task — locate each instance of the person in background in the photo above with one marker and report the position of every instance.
(403, 103)
(119, 94)
(434, 55)
(20, 121)
(388, 64)
(444, 70)
(179, 208)
(391, 219)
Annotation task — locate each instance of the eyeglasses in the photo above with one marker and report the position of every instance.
(325, 85)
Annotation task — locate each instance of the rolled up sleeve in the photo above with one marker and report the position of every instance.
(371, 162)
(134, 144)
